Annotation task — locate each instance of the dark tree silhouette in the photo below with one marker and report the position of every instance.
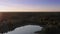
(49, 21)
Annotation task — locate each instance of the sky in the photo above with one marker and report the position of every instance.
(29, 5)
(29, 29)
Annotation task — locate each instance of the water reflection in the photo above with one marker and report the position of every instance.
(29, 29)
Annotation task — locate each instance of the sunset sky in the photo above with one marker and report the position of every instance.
(29, 5)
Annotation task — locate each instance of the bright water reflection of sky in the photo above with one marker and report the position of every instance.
(30, 29)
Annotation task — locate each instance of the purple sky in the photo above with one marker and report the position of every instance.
(27, 5)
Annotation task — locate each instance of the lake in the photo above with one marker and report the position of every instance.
(29, 29)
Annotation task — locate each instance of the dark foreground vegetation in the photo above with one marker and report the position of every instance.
(49, 21)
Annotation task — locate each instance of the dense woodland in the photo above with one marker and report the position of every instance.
(50, 21)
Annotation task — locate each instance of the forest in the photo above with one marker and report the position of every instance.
(50, 21)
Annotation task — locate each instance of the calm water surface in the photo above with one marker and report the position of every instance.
(29, 29)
